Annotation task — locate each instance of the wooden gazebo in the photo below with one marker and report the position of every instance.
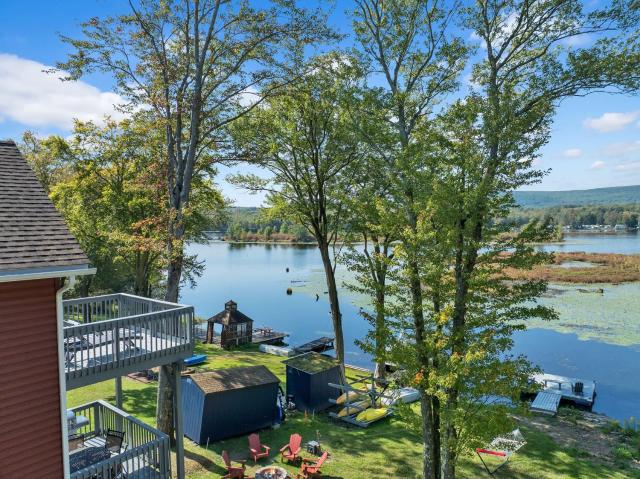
(237, 328)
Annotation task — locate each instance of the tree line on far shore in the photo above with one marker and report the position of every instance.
(577, 217)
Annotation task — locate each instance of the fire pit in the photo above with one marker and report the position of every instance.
(271, 472)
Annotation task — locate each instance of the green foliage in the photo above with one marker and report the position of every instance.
(577, 216)
(108, 182)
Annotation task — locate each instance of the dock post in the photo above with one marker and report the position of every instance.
(178, 419)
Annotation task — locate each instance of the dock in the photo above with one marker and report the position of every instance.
(319, 345)
(556, 389)
(267, 336)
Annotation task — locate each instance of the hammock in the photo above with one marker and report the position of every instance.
(502, 446)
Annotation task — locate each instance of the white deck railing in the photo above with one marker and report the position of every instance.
(144, 453)
(113, 335)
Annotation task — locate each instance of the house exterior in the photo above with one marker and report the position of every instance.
(47, 347)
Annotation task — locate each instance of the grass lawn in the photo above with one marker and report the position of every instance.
(385, 449)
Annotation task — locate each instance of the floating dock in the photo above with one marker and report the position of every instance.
(319, 345)
(557, 389)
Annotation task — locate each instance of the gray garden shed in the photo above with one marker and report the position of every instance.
(229, 402)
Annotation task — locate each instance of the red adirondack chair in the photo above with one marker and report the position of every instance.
(256, 449)
(290, 451)
(235, 472)
(311, 467)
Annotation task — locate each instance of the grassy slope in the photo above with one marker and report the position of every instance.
(385, 449)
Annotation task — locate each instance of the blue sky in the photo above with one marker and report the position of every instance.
(595, 140)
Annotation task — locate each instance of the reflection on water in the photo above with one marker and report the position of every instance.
(255, 276)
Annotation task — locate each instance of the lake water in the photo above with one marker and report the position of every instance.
(254, 275)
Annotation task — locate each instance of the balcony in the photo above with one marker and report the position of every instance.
(117, 334)
(143, 454)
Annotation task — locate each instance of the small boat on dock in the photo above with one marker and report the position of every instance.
(555, 389)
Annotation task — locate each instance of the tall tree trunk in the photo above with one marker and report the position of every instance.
(380, 329)
(336, 315)
(164, 409)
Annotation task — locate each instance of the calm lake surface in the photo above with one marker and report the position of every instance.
(254, 275)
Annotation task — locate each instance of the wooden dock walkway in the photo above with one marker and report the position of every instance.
(267, 336)
(556, 389)
(319, 345)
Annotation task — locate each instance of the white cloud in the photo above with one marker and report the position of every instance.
(573, 153)
(34, 98)
(597, 165)
(622, 149)
(609, 122)
(630, 166)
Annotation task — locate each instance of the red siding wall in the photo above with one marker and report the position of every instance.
(30, 430)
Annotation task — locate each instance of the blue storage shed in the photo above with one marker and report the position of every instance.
(308, 378)
(229, 402)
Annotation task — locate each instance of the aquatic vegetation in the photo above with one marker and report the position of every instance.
(585, 268)
(611, 316)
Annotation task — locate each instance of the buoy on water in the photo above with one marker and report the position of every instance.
(289, 291)
(287, 270)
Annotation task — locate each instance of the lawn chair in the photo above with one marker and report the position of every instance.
(503, 447)
(256, 449)
(290, 451)
(113, 441)
(236, 472)
(311, 467)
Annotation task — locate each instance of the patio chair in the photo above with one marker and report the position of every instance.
(257, 450)
(233, 471)
(310, 468)
(113, 441)
(290, 451)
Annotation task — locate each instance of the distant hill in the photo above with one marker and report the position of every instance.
(597, 196)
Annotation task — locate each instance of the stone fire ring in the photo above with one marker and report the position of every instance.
(271, 472)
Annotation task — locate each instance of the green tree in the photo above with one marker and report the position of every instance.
(305, 140)
(199, 65)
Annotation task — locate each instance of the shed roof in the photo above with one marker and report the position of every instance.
(34, 235)
(230, 315)
(312, 362)
(234, 378)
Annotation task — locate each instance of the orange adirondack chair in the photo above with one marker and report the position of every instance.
(235, 472)
(311, 467)
(256, 449)
(290, 451)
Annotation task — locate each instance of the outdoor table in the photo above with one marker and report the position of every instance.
(86, 457)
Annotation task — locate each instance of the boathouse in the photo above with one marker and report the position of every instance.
(237, 328)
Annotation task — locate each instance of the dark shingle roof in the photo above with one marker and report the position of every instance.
(33, 234)
(233, 378)
(230, 315)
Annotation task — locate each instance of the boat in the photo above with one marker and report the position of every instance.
(349, 394)
(354, 407)
(372, 414)
(402, 395)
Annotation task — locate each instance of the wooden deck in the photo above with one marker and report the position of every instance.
(319, 345)
(564, 390)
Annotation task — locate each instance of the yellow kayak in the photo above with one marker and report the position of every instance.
(354, 407)
(343, 397)
(372, 414)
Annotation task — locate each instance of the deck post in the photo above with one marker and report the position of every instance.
(119, 392)
(178, 419)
